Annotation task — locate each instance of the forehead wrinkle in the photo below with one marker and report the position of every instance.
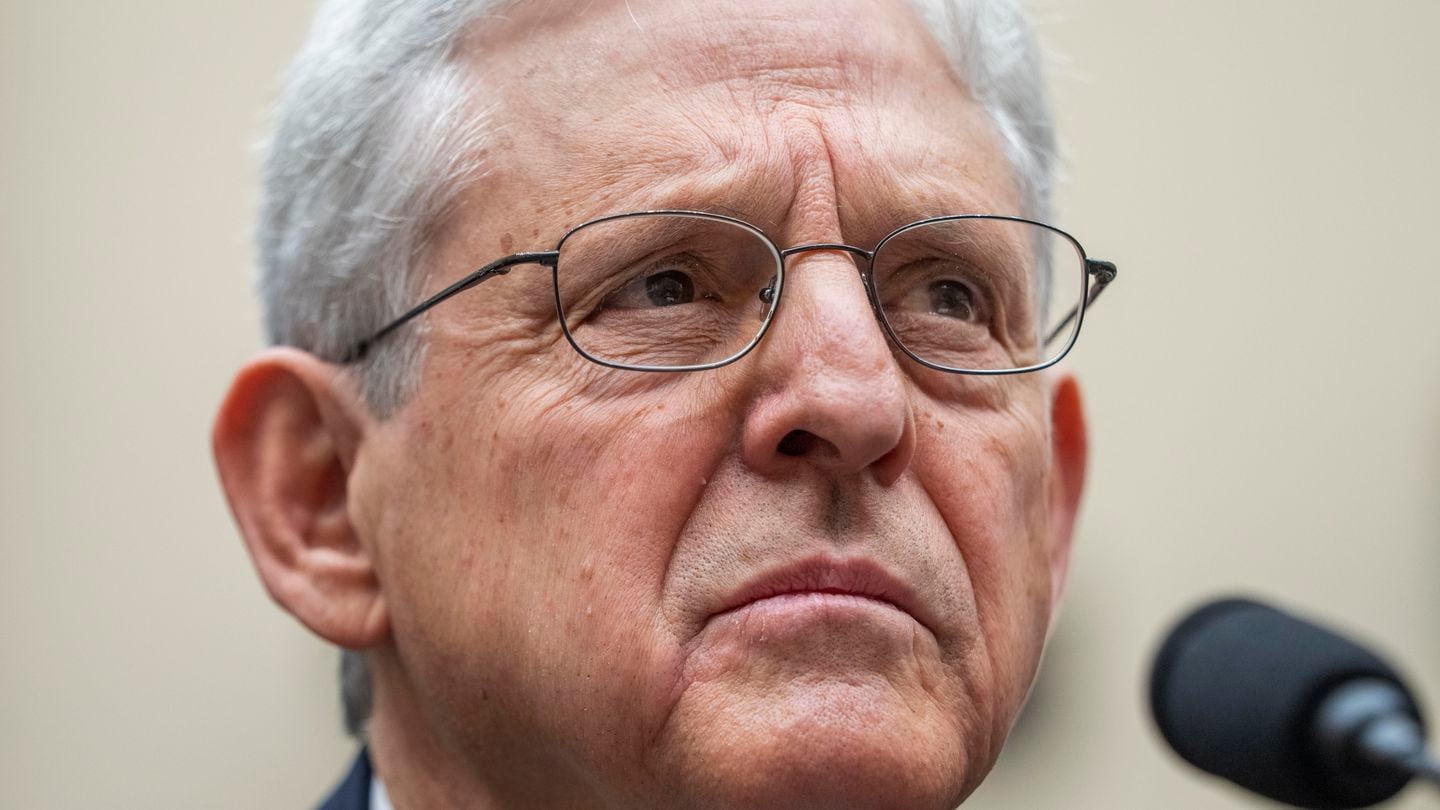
(745, 187)
(766, 59)
(949, 161)
(772, 66)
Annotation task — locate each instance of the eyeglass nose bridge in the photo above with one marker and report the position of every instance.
(767, 295)
(834, 247)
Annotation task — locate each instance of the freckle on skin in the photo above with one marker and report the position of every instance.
(506, 243)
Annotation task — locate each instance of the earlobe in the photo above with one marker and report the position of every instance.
(1069, 454)
(286, 442)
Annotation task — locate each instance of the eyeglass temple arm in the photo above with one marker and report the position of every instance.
(1102, 273)
(499, 267)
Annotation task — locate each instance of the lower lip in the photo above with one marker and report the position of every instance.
(813, 631)
(816, 605)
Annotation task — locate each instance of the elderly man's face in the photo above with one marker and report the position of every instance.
(821, 574)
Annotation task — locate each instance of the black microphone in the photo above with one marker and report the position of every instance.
(1286, 709)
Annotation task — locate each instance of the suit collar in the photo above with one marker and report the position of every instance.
(353, 792)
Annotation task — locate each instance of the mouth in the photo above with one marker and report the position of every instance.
(825, 578)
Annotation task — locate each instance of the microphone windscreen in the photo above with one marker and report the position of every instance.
(1235, 691)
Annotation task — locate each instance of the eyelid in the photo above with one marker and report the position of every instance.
(628, 271)
(684, 262)
(984, 300)
(935, 268)
(981, 298)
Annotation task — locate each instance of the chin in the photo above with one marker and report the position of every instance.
(832, 745)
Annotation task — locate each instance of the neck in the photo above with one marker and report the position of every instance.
(425, 763)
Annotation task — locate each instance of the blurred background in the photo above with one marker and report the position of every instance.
(1263, 384)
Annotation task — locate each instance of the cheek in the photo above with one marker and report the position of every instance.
(987, 473)
(533, 549)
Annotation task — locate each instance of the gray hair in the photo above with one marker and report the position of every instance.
(378, 130)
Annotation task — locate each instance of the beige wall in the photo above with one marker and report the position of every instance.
(1263, 382)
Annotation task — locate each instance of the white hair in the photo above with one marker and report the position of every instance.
(378, 130)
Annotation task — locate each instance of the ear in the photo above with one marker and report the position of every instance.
(285, 443)
(1069, 452)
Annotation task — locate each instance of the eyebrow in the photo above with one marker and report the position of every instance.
(901, 199)
(733, 190)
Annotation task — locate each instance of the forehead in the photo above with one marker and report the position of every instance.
(828, 46)
(741, 107)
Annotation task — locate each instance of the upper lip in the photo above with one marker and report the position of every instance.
(855, 576)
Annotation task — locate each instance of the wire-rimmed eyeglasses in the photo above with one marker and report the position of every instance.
(690, 291)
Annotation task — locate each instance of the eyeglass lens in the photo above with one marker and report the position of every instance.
(978, 293)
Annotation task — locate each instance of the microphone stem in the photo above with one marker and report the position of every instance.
(1424, 766)
(1396, 741)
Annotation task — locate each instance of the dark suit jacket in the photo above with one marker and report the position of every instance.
(354, 790)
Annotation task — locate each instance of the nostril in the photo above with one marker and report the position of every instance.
(797, 443)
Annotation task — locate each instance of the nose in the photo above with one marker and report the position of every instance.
(830, 392)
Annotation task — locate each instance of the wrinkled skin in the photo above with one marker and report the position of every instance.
(548, 544)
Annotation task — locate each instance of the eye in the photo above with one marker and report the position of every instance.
(938, 288)
(951, 298)
(669, 288)
(650, 290)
